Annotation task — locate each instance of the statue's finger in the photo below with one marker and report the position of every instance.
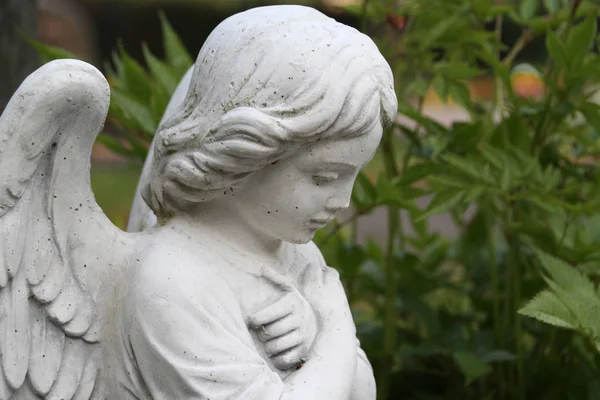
(278, 328)
(271, 313)
(288, 359)
(283, 343)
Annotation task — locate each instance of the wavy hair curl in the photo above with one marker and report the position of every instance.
(266, 82)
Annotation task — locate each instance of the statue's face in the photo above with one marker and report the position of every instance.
(294, 197)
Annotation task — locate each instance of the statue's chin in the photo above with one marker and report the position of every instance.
(300, 240)
(302, 237)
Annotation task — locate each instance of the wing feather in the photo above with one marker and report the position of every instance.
(81, 322)
(87, 384)
(71, 370)
(49, 288)
(64, 307)
(47, 343)
(57, 248)
(3, 271)
(25, 392)
(5, 390)
(14, 327)
(15, 234)
(40, 242)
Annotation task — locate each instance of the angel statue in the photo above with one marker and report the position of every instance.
(225, 296)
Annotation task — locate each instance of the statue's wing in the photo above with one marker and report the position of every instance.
(57, 248)
(141, 216)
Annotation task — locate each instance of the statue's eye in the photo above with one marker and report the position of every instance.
(325, 177)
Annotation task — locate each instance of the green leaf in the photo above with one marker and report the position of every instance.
(474, 193)
(161, 73)
(415, 173)
(500, 69)
(552, 5)
(353, 9)
(431, 126)
(446, 181)
(558, 50)
(528, 9)
(116, 146)
(457, 70)
(465, 166)
(580, 40)
(506, 180)
(565, 275)
(419, 87)
(386, 191)
(176, 53)
(134, 78)
(546, 307)
(440, 86)
(49, 53)
(482, 8)
(443, 201)
(584, 305)
(591, 112)
(118, 73)
(364, 193)
(460, 93)
(134, 110)
(552, 177)
(545, 203)
(494, 156)
(440, 29)
(471, 366)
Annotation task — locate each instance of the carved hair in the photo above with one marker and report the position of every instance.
(264, 85)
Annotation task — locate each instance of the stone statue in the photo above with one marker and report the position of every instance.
(226, 297)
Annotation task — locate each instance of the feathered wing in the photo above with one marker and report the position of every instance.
(58, 251)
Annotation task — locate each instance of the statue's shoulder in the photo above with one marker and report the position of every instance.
(171, 269)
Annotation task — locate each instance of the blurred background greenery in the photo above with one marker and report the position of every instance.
(470, 254)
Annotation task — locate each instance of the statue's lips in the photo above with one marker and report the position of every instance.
(319, 222)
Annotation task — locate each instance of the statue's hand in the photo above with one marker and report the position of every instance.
(287, 327)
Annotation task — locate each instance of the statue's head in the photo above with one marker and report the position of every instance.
(284, 107)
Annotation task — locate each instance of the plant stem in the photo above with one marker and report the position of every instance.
(498, 102)
(390, 312)
(516, 264)
(491, 247)
(518, 47)
(517, 276)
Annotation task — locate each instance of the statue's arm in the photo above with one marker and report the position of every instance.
(328, 373)
(363, 387)
(363, 383)
(189, 337)
(190, 340)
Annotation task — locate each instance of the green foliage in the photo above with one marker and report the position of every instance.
(480, 314)
(139, 95)
(431, 308)
(572, 302)
(48, 53)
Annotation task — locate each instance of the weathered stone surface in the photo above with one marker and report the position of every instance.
(225, 297)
